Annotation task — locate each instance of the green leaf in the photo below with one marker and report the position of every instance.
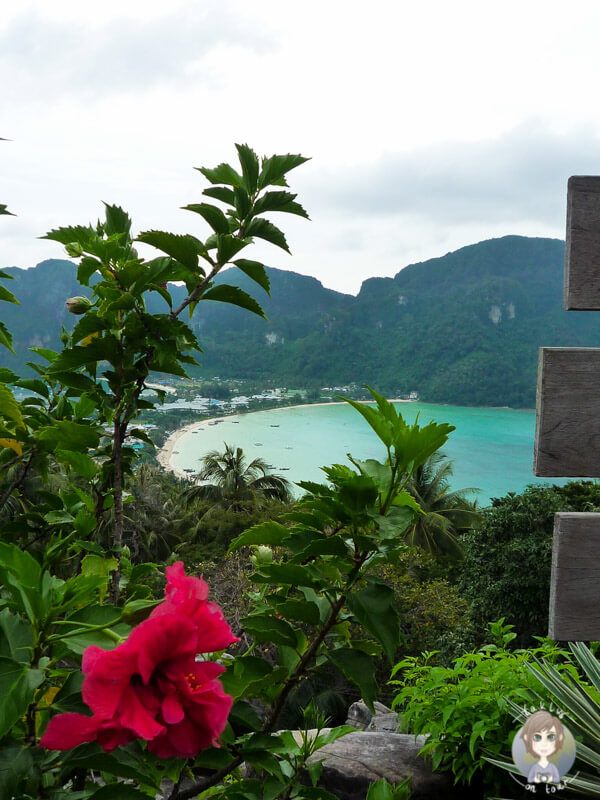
(382, 790)
(358, 668)
(275, 168)
(229, 246)
(222, 174)
(303, 611)
(263, 229)
(6, 338)
(374, 609)
(118, 791)
(87, 267)
(71, 435)
(381, 474)
(279, 201)
(285, 574)
(358, 493)
(378, 423)
(17, 690)
(213, 215)
(250, 167)
(221, 193)
(183, 248)
(16, 638)
(235, 296)
(16, 766)
(7, 296)
(244, 672)
(75, 233)
(9, 407)
(267, 533)
(34, 385)
(117, 220)
(82, 463)
(256, 271)
(264, 628)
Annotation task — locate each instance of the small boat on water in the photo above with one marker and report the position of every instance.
(175, 452)
(274, 426)
(187, 469)
(235, 421)
(257, 444)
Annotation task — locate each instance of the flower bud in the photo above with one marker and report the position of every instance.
(74, 249)
(261, 556)
(78, 305)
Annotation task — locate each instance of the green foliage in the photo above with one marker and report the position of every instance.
(80, 516)
(506, 566)
(579, 698)
(467, 708)
(227, 480)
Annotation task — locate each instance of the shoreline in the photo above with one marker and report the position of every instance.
(165, 454)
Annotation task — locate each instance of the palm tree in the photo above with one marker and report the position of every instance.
(228, 481)
(446, 513)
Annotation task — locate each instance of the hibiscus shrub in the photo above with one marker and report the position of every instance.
(106, 692)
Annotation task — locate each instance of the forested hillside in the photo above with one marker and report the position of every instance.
(464, 328)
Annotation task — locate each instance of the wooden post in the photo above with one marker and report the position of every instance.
(582, 253)
(575, 582)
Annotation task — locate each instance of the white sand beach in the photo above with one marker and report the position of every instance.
(165, 454)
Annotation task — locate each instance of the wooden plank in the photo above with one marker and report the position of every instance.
(567, 435)
(582, 252)
(574, 613)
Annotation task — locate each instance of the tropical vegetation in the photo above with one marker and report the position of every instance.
(227, 480)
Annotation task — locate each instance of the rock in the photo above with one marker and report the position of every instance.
(389, 722)
(353, 762)
(359, 715)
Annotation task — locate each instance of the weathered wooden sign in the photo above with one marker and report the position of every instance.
(567, 441)
(582, 253)
(575, 580)
(567, 432)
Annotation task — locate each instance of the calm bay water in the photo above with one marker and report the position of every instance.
(492, 448)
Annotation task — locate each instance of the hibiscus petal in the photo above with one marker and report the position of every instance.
(161, 639)
(172, 710)
(65, 731)
(133, 714)
(109, 674)
(214, 632)
(111, 736)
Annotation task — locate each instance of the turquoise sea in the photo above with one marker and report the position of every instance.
(492, 448)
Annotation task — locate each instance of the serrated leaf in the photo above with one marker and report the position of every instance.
(285, 574)
(87, 267)
(82, 463)
(229, 246)
(276, 167)
(75, 233)
(250, 167)
(256, 271)
(211, 214)
(117, 220)
(264, 628)
(7, 296)
(6, 338)
(221, 193)
(183, 248)
(234, 295)
(267, 533)
(263, 229)
(224, 173)
(279, 201)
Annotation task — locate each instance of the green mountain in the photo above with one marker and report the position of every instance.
(464, 328)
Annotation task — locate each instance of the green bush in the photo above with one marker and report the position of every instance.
(465, 708)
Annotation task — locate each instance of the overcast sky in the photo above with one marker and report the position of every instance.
(430, 125)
